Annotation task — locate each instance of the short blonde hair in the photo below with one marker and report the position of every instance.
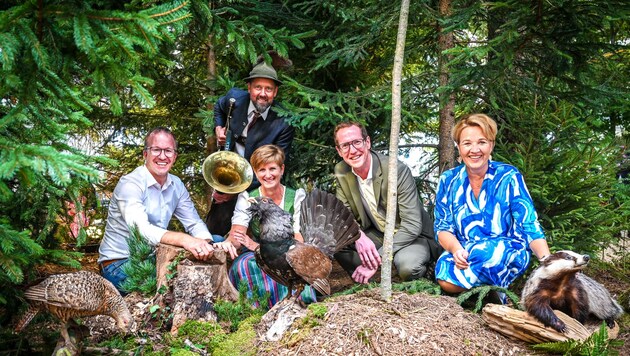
(267, 154)
(487, 125)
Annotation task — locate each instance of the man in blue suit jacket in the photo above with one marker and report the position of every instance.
(254, 123)
(262, 88)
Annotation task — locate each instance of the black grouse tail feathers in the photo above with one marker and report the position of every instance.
(327, 223)
(326, 226)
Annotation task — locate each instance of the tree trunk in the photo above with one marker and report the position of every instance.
(447, 99)
(394, 136)
(211, 140)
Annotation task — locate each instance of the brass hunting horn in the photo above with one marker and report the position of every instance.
(226, 171)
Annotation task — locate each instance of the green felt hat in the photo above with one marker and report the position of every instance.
(263, 70)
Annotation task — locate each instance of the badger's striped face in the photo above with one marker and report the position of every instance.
(562, 262)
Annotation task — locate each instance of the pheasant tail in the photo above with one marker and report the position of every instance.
(26, 318)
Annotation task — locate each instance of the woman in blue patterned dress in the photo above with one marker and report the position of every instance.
(268, 164)
(484, 216)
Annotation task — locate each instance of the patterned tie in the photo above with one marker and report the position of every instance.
(255, 118)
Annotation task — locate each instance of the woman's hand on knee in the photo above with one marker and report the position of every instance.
(461, 259)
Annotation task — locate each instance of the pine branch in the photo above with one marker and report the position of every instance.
(468, 298)
(178, 19)
(16, 251)
(141, 266)
(168, 12)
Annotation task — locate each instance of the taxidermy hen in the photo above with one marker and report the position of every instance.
(326, 225)
(74, 295)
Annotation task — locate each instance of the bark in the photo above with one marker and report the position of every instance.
(280, 318)
(192, 292)
(447, 98)
(520, 325)
(392, 180)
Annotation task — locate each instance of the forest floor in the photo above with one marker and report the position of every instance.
(362, 324)
(412, 324)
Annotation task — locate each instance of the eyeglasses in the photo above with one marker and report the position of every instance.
(357, 144)
(156, 151)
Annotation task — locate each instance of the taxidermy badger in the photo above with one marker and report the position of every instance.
(558, 284)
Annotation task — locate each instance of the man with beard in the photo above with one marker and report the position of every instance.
(254, 123)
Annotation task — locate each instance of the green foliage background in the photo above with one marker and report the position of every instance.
(81, 82)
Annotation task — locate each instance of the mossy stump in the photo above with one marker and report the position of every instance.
(193, 290)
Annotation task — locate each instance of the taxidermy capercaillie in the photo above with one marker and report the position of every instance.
(326, 225)
(74, 295)
(558, 283)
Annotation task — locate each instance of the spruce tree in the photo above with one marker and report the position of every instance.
(59, 61)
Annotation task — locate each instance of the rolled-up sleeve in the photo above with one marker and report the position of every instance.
(241, 216)
(188, 216)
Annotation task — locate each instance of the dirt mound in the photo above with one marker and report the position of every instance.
(416, 324)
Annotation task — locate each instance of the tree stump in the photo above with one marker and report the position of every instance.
(191, 294)
(521, 325)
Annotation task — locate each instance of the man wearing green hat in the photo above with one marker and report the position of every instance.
(253, 123)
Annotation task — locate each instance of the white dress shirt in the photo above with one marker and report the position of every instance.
(240, 149)
(139, 200)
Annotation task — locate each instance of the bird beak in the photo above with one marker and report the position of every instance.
(252, 200)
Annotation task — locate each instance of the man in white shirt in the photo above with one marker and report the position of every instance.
(148, 198)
